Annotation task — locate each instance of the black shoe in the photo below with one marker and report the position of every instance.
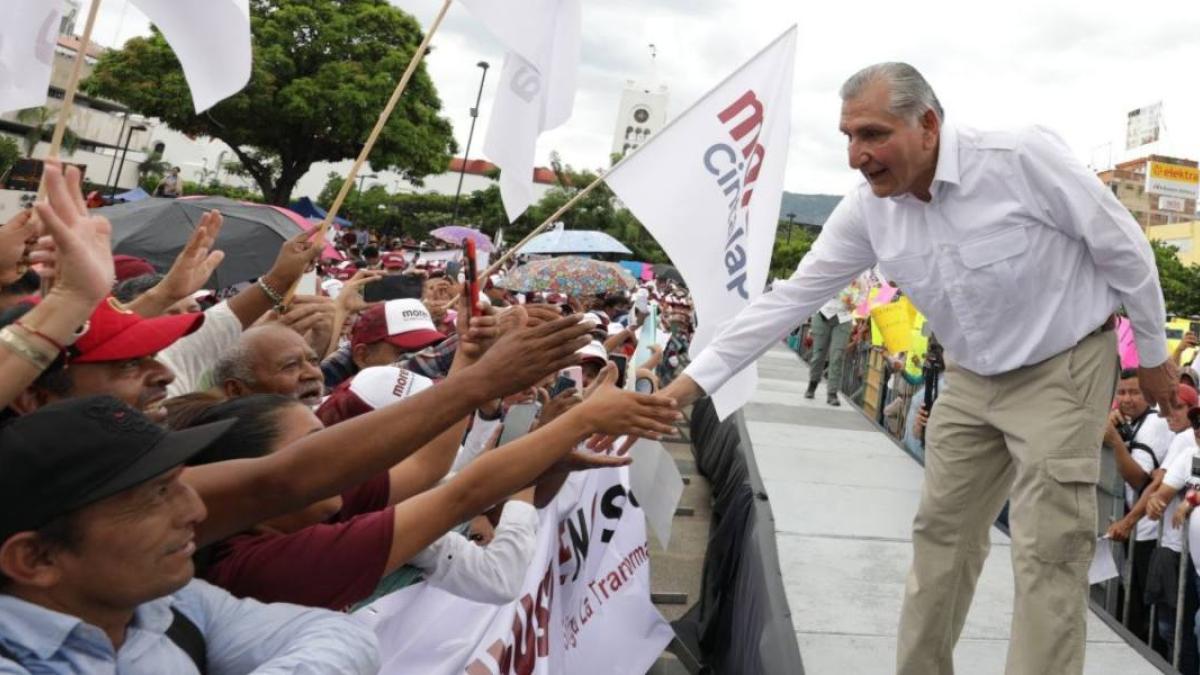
(812, 390)
(832, 400)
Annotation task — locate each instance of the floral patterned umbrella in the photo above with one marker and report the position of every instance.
(570, 275)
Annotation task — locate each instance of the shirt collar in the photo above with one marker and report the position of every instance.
(43, 631)
(38, 629)
(947, 163)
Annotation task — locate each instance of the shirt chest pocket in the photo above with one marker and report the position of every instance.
(991, 269)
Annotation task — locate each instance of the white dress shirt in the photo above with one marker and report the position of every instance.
(192, 356)
(1020, 253)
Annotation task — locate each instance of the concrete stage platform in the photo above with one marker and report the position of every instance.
(844, 495)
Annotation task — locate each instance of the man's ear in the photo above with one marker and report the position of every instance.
(28, 562)
(931, 126)
(359, 354)
(234, 389)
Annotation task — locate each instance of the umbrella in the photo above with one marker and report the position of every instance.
(669, 273)
(135, 195)
(157, 229)
(307, 224)
(574, 241)
(455, 234)
(573, 276)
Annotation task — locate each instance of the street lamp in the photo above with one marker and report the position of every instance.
(220, 159)
(791, 223)
(470, 135)
(128, 137)
(362, 179)
(124, 122)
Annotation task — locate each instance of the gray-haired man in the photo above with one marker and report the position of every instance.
(1018, 257)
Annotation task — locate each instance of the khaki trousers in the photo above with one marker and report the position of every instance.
(1033, 436)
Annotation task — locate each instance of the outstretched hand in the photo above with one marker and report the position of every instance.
(196, 262)
(77, 246)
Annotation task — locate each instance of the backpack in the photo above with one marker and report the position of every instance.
(185, 634)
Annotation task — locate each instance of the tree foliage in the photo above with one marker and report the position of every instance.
(789, 250)
(322, 71)
(10, 152)
(1180, 283)
(42, 121)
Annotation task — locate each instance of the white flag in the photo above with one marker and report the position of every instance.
(537, 85)
(708, 187)
(28, 34)
(211, 39)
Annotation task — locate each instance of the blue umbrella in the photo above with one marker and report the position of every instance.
(574, 241)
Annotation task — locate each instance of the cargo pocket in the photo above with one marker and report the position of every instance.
(1066, 512)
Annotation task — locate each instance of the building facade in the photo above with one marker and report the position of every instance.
(1157, 190)
(642, 112)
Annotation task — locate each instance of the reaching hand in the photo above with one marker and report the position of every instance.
(1160, 385)
(78, 246)
(615, 412)
(553, 407)
(350, 299)
(525, 356)
(15, 242)
(476, 334)
(196, 262)
(294, 257)
(311, 316)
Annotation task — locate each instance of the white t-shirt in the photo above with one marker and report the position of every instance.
(1180, 454)
(1156, 433)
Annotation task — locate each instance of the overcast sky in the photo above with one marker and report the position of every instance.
(1077, 67)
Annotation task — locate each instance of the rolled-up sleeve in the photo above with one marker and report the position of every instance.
(247, 636)
(840, 253)
(1074, 201)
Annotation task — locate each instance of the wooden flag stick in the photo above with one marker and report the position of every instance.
(64, 112)
(379, 124)
(60, 125)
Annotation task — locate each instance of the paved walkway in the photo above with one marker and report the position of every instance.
(844, 496)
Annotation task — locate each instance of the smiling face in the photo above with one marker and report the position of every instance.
(141, 383)
(896, 156)
(134, 546)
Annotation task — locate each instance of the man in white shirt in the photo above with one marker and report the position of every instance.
(1139, 439)
(1017, 256)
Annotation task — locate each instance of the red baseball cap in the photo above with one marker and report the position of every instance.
(115, 333)
(405, 323)
(1187, 395)
(129, 266)
(393, 261)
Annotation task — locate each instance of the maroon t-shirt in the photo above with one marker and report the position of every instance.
(333, 564)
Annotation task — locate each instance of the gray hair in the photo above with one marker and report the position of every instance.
(910, 94)
(234, 364)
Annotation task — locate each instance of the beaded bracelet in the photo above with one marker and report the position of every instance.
(272, 295)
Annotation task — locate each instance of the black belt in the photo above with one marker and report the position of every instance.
(1109, 324)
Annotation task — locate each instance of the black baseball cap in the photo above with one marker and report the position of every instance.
(77, 452)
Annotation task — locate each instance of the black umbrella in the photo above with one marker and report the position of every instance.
(668, 272)
(158, 229)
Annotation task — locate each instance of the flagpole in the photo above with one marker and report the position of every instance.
(582, 193)
(64, 112)
(60, 126)
(379, 124)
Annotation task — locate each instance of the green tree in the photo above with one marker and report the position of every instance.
(789, 250)
(10, 152)
(323, 69)
(1180, 283)
(41, 123)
